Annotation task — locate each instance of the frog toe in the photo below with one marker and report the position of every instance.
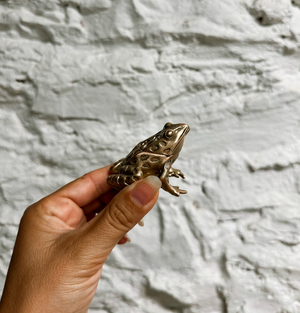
(179, 191)
(176, 173)
(175, 191)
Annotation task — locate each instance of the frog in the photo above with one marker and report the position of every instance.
(153, 156)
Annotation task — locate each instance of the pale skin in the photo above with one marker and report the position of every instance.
(64, 240)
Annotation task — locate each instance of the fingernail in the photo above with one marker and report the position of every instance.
(144, 191)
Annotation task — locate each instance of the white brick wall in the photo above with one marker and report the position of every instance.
(81, 82)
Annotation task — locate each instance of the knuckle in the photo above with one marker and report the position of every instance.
(27, 215)
(121, 216)
(44, 206)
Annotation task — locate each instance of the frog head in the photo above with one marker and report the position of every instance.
(173, 135)
(169, 140)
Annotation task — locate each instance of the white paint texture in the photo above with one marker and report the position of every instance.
(81, 82)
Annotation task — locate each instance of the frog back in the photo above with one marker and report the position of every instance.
(143, 146)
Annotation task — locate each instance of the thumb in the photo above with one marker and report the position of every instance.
(124, 211)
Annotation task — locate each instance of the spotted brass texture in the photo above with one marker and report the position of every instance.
(153, 156)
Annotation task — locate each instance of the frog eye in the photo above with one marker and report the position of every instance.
(168, 134)
(167, 125)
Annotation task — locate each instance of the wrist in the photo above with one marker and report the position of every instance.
(15, 304)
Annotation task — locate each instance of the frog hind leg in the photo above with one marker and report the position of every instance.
(164, 177)
(120, 181)
(114, 169)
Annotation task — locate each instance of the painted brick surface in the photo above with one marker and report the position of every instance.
(81, 82)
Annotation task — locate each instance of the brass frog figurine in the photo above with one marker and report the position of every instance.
(153, 156)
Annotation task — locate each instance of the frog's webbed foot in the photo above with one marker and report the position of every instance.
(173, 172)
(180, 191)
(174, 190)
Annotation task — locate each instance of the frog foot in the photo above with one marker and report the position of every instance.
(174, 190)
(173, 172)
(178, 191)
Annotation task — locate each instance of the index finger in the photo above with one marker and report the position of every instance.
(85, 189)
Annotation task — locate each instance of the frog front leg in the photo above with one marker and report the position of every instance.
(173, 172)
(174, 190)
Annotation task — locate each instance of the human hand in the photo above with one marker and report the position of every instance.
(63, 243)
